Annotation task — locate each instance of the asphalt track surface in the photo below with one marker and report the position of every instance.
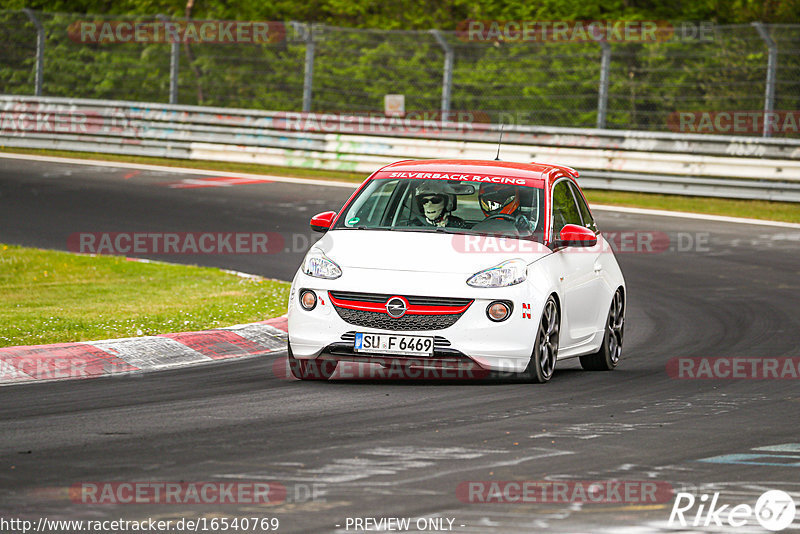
(401, 449)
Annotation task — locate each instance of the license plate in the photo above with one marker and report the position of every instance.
(394, 344)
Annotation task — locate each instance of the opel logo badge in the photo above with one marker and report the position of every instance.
(396, 307)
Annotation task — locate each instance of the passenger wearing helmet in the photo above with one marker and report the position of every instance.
(501, 201)
(435, 204)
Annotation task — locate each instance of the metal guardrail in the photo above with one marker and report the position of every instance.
(698, 165)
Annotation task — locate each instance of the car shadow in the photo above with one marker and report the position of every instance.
(486, 379)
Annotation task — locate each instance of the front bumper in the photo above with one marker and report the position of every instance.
(473, 340)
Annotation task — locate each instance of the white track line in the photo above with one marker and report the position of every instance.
(179, 170)
(687, 215)
(334, 183)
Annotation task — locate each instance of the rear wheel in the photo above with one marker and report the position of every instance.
(313, 369)
(610, 351)
(545, 348)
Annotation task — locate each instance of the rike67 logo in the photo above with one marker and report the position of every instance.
(774, 510)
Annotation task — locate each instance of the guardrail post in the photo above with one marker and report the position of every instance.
(39, 50)
(447, 76)
(772, 68)
(602, 96)
(174, 64)
(308, 71)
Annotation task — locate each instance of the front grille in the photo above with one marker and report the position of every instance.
(410, 321)
(382, 321)
(412, 300)
(363, 297)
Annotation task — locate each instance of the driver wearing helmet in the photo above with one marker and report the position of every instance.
(435, 204)
(501, 201)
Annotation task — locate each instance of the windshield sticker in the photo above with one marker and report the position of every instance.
(532, 182)
(353, 220)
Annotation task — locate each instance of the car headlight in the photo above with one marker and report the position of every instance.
(318, 265)
(508, 273)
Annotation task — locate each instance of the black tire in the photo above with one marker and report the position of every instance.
(314, 369)
(607, 358)
(545, 348)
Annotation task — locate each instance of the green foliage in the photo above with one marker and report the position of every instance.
(409, 14)
(354, 67)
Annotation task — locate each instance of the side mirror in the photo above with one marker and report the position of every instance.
(573, 235)
(321, 222)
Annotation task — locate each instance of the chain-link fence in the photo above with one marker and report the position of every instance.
(297, 67)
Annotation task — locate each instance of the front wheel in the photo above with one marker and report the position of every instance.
(545, 348)
(313, 369)
(608, 356)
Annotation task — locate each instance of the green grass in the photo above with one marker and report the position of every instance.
(756, 209)
(54, 297)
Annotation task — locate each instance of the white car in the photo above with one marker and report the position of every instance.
(448, 264)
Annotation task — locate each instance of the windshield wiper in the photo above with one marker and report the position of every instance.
(425, 229)
(365, 228)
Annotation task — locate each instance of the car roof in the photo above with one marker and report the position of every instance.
(543, 171)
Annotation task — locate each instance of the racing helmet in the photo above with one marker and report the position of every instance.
(433, 200)
(498, 198)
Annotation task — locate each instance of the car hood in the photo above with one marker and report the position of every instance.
(424, 252)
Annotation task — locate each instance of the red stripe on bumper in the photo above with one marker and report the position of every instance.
(379, 307)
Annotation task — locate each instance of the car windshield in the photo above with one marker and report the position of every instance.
(451, 206)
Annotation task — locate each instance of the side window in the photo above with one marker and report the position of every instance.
(586, 215)
(564, 209)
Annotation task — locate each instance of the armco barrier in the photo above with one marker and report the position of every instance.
(686, 164)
